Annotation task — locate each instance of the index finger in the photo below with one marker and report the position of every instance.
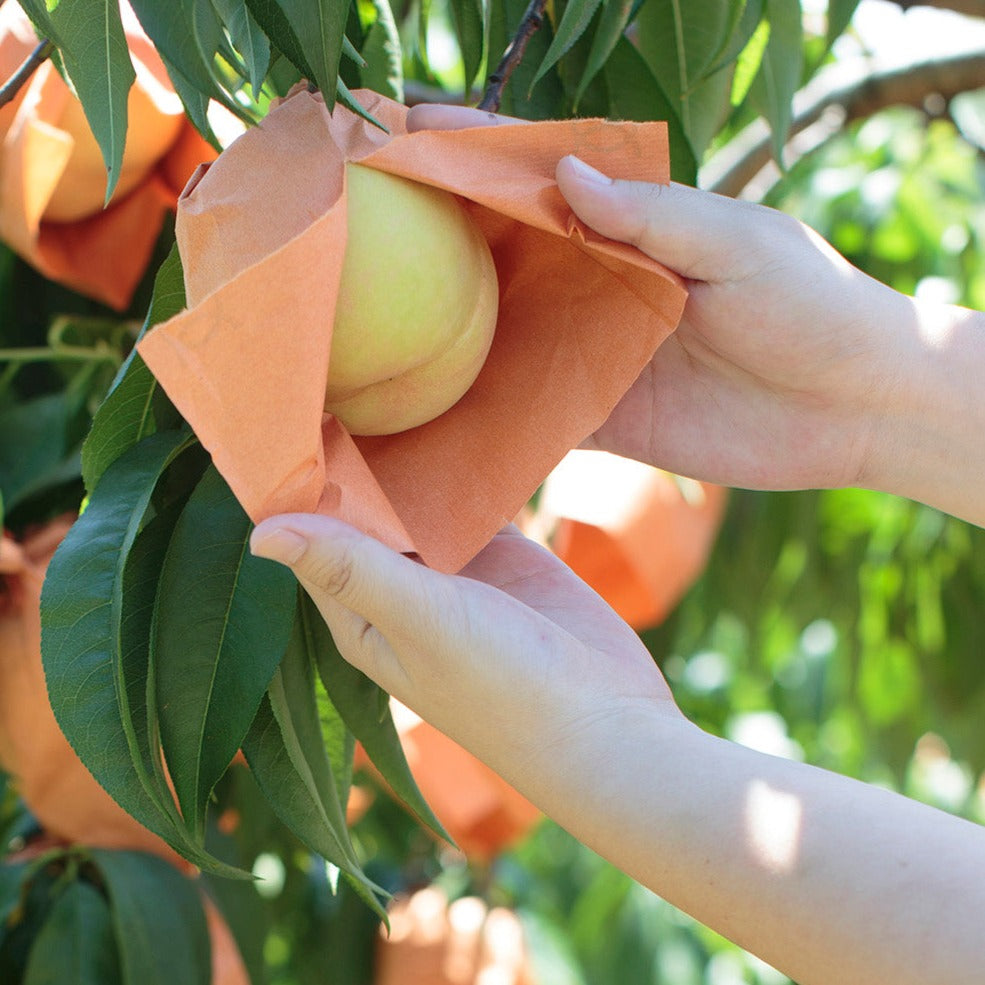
(441, 116)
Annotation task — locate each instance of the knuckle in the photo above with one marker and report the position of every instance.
(335, 575)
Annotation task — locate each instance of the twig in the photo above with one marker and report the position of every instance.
(532, 19)
(16, 82)
(970, 8)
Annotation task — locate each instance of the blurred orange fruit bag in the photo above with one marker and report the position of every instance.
(53, 180)
(637, 535)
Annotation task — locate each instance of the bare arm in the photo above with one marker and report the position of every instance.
(830, 880)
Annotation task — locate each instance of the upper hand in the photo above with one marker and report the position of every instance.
(786, 355)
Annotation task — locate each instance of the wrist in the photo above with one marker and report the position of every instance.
(928, 423)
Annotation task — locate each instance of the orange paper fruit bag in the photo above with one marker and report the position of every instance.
(636, 534)
(262, 235)
(52, 179)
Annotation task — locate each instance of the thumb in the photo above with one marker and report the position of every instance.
(369, 594)
(696, 233)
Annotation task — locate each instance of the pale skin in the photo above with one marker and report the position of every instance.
(790, 369)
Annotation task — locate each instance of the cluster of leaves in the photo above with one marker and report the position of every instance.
(164, 635)
(93, 917)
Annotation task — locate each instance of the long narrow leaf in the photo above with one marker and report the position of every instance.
(222, 624)
(574, 22)
(278, 767)
(611, 28)
(247, 38)
(319, 26)
(97, 59)
(135, 403)
(468, 18)
(358, 701)
(780, 74)
(294, 704)
(82, 607)
(382, 70)
(634, 94)
(159, 920)
(76, 943)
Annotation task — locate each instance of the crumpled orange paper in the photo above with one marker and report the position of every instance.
(105, 255)
(638, 535)
(262, 236)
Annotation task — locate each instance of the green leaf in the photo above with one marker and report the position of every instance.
(97, 59)
(34, 447)
(278, 765)
(82, 625)
(611, 28)
(222, 623)
(520, 97)
(274, 23)
(469, 20)
(37, 892)
(634, 94)
(37, 11)
(383, 68)
(135, 405)
(76, 943)
(751, 15)
(577, 16)
(195, 102)
(159, 920)
(319, 26)
(134, 674)
(358, 701)
(294, 704)
(187, 35)
(780, 74)
(340, 743)
(247, 38)
(749, 62)
(679, 39)
(840, 13)
(12, 876)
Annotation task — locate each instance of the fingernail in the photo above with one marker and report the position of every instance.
(587, 173)
(285, 546)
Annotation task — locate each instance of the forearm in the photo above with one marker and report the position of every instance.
(832, 881)
(929, 433)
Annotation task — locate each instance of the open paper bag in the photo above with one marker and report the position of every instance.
(262, 236)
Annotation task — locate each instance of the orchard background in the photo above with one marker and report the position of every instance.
(841, 627)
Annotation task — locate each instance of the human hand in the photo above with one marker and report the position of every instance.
(511, 658)
(784, 365)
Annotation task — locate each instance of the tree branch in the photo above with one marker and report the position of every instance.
(852, 90)
(532, 19)
(9, 90)
(971, 8)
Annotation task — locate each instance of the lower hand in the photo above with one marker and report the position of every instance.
(510, 657)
